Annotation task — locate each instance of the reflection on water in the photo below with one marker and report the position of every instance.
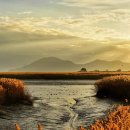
(60, 105)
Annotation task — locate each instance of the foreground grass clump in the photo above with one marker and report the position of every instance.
(119, 119)
(17, 127)
(13, 91)
(114, 86)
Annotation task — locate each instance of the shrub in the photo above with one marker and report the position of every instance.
(13, 91)
(114, 86)
(83, 70)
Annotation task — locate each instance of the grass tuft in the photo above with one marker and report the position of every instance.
(17, 127)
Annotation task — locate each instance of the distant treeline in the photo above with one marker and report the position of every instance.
(60, 75)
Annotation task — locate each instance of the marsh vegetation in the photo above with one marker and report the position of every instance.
(67, 104)
(13, 91)
(117, 87)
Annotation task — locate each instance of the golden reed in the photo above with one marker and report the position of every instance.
(17, 127)
(119, 119)
(13, 91)
(114, 86)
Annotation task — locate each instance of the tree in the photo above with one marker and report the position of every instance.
(119, 70)
(83, 70)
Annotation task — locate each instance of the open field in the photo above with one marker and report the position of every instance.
(60, 75)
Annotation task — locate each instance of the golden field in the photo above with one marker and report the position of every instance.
(61, 75)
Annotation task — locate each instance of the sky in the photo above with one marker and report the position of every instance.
(76, 30)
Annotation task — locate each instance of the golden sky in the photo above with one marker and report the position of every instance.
(77, 30)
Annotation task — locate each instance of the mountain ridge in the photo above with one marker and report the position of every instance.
(54, 64)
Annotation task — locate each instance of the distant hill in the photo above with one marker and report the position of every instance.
(50, 64)
(53, 64)
(107, 65)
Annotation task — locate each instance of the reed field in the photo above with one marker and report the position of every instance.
(61, 75)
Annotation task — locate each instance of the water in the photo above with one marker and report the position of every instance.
(59, 105)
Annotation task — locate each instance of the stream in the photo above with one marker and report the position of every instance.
(58, 105)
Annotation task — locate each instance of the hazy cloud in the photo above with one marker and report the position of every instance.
(94, 3)
(24, 13)
(98, 26)
(77, 30)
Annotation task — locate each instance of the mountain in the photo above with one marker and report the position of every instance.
(53, 64)
(107, 65)
(50, 64)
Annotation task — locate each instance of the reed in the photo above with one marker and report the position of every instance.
(118, 119)
(13, 91)
(61, 75)
(2, 95)
(17, 127)
(40, 127)
(114, 87)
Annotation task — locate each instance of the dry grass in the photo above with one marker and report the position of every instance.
(61, 75)
(13, 91)
(17, 127)
(2, 95)
(40, 127)
(114, 86)
(119, 119)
